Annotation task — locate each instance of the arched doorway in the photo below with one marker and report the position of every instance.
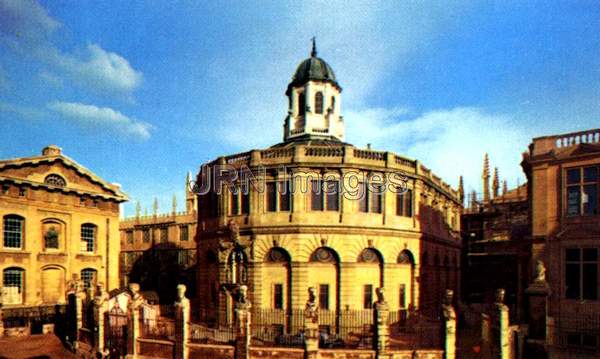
(324, 275)
(406, 285)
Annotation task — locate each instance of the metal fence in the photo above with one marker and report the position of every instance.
(277, 327)
(158, 328)
(33, 316)
(203, 334)
(576, 333)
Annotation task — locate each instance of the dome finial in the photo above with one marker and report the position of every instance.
(314, 47)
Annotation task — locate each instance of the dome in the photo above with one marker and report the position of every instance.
(313, 68)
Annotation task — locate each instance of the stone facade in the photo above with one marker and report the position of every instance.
(563, 172)
(307, 221)
(161, 242)
(60, 221)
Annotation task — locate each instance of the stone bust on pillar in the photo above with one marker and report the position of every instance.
(182, 301)
(499, 299)
(311, 308)
(242, 302)
(447, 308)
(381, 304)
(101, 297)
(136, 298)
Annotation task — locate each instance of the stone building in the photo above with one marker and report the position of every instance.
(158, 251)
(59, 221)
(496, 242)
(314, 211)
(563, 173)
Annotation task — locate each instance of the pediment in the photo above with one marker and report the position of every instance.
(50, 172)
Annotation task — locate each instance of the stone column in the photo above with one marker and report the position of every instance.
(381, 342)
(242, 324)
(500, 330)
(79, 298)
(134, 319)
(311, 326)
(537, 315)
(449, 316)
(100, 309)
(182, 324)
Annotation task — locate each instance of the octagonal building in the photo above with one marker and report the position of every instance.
(315, 211)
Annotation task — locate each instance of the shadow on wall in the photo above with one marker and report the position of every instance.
(162, 267)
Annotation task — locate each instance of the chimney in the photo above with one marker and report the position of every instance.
(52, 150)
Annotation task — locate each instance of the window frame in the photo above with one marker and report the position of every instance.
(278, 296)
(21, 290)
(20, 232)
(580, 186)
(369, 197)
(281, 194)
(324, 297)
(368, 296)
(87, 240)
(319, 103)
(580, 266)
(93, 280)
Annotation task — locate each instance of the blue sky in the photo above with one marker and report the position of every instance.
(143, 91)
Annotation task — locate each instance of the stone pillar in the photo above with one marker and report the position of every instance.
(1, 319)
(311, 326)
(182, 324)
(500, 330)
(100, 309)
(539, 330)
(449, 316)
(134, 319)
(242, 324)
(381, 342)
(79, 298)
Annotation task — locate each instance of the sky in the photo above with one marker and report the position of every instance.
(141, 92)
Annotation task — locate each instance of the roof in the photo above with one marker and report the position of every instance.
(313, 68)
(52, 154)
(517, 194)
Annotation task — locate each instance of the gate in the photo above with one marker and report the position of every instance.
(116, 332)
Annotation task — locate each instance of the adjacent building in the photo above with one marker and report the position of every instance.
(158, 251)
(563, 173)
(496, 242)
(315, 211)
(60, 222)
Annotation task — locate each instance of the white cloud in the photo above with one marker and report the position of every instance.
(21, 111)
(451, 142)
(102, 118)
(51, 79)
(99, 69)
(27, 28)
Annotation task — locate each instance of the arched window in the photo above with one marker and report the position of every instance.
(12, 285)
(324, 255)
(332, 104)
(89, 277)
(51, 231)
(369, 255)
(319, 102)
(277, 255)
(55, 180)
(301, 104)
(88, 237)
(406, 257)
(13, 231)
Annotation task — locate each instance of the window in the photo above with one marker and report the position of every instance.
(88, 277)
(316, 195)
(164, 235)
(12, 286)
(13, 231)
(301, 104)
(582, 191)
(402, 296)
(368, 296)
(130, 237)
(239, 201)
(404, 203)
(581, 271)
(324, 296)
(146, 235)
(22, 192)
(319, 102)
(184, 233)
(325, 195)
(278, 196)
(55, 180)
(332, 104)
(278, 296)
(371, 197)
(88, 237)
